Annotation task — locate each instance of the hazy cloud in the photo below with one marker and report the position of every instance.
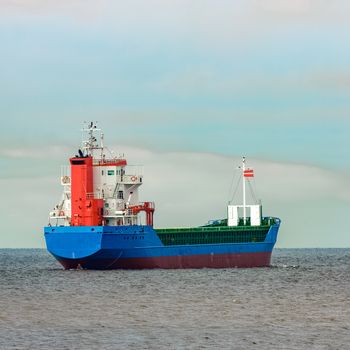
(206, 16)
(288, 6)
(206, 82)
(30, 152)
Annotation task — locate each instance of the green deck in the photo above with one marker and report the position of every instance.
(215, 233)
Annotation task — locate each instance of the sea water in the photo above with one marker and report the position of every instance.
(301, 302)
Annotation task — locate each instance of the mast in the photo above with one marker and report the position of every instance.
(244, 197)
(251, 212)
(94, 139)
(102, 144)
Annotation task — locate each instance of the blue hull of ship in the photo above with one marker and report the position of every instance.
(137, 247)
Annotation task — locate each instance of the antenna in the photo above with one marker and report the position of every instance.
(92, 138)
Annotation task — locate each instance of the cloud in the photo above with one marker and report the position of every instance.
(24, 214)
(218, 15)
(33, 153)
(330, 80)
(213, 84)
(310, 11)
(77, 9)
(212, 173)
(287, 6)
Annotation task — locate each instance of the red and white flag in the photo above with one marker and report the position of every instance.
(248, 173)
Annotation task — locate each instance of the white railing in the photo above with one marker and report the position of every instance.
(112, 162)
(94, 195)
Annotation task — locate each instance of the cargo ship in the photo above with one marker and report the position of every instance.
(99, 223)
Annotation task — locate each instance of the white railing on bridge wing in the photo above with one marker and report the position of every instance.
(103, 161)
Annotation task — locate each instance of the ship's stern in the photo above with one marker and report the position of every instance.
(73, 246)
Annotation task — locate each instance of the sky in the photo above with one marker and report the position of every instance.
(185, 88)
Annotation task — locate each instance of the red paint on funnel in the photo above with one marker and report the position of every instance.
(86, 210)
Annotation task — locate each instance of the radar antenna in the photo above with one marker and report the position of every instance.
(92, 138)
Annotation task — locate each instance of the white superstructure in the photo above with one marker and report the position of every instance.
(113, 181)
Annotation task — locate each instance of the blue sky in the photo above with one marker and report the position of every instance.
(269, 79)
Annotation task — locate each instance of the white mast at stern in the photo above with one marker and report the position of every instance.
(244, 194)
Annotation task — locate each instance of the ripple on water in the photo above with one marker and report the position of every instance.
(301, 302)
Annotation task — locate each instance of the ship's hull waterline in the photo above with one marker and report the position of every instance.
(260, 259)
